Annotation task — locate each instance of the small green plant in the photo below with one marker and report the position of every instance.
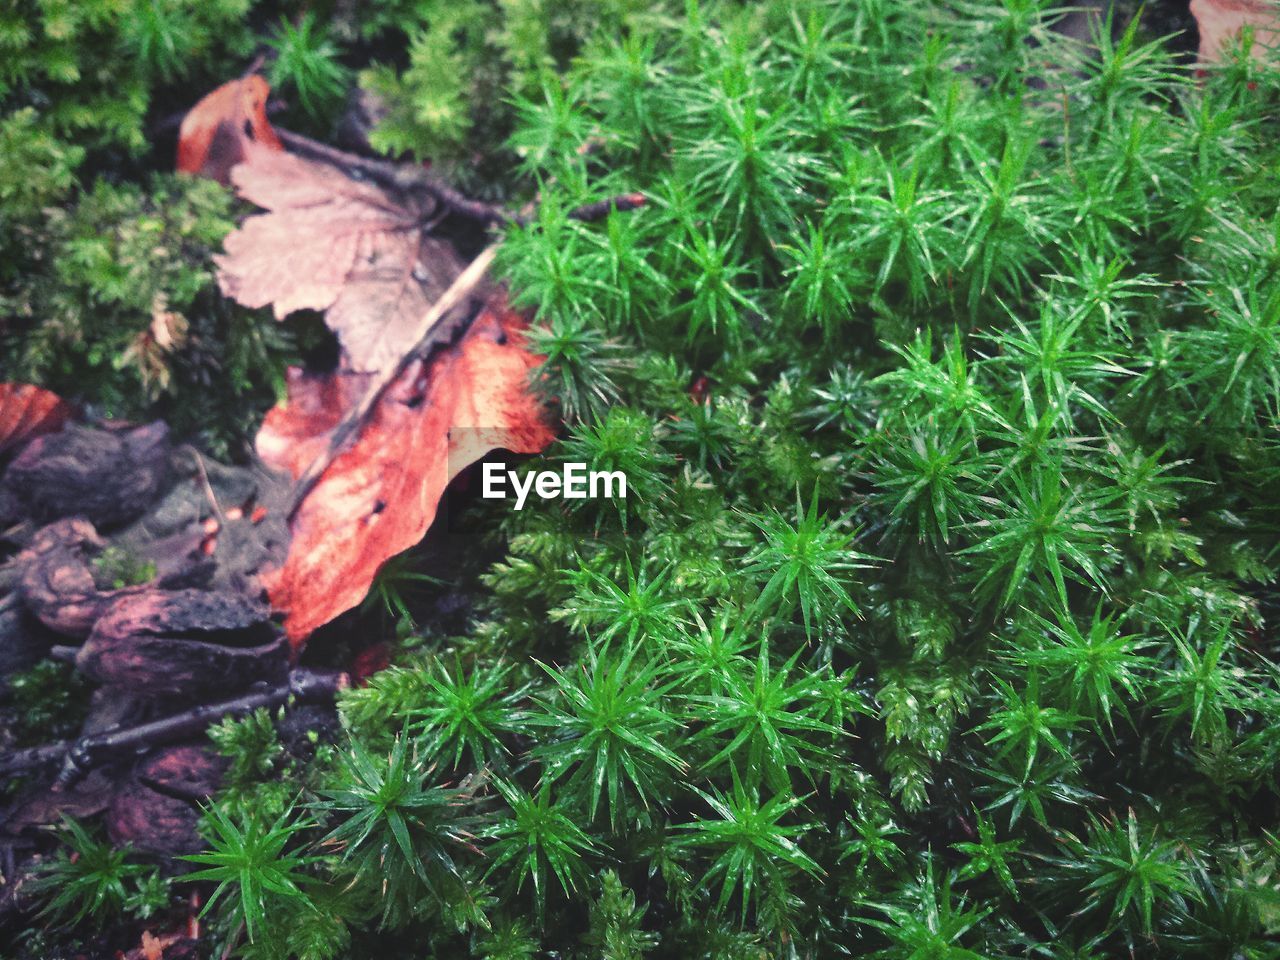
(391, 827)
(753, 840)
(255, 865)
(306, 64)
(610, 716)
(804, 564)
(250, 744)
(616, 923)
(119, 567)
(927, 922)
(90, 880)
(466, 712)
(47, 702)
(538, 840)
(1127, 870)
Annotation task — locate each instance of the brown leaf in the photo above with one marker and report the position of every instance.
(1220, 23)
(379, 496)
(171, 945)
(294, 435)
(217, 131)
(333, 243)
(88, 797)
(26, 412)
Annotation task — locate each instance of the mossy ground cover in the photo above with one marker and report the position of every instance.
(944, 365)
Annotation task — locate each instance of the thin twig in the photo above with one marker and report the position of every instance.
(254, 65)
(208, 487)
(398, 176)
(234, 942)
(589, 212)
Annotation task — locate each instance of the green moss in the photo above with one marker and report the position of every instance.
(944, 362)
(114, 301)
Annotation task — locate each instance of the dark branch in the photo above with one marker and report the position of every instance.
(409, 177)
(79, 756)
(396, 176)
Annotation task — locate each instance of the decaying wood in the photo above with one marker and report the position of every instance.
(109, 477)
(55, 582)
(156, 809)
(184, 643)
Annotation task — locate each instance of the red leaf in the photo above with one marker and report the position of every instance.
(27, 411)
(369, 661)
(217, 132)
(294, 435)
(378, 497)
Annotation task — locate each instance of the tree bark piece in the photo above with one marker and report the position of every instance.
(155, 809)
(185, 643)
(109, 477)
(55, 582)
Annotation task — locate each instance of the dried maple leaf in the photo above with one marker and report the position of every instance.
(333, 243)
(378, 497)
(218, 130)
(26, 412)
(1220, 23)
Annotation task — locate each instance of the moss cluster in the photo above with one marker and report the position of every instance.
(940, 621)
(106, 278)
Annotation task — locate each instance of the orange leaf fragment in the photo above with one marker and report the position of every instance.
(27, 411)
(379, 496)
(218, 131)
(330, 242)
(293, 436)
(1221, 21)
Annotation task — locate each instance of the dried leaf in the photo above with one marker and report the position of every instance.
(333, 243)
(218, 130)
(26, 412)
(87, 797)
(172, 945)
(1220, 23)
(379, 497)
(152, 947)
(295, 435)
